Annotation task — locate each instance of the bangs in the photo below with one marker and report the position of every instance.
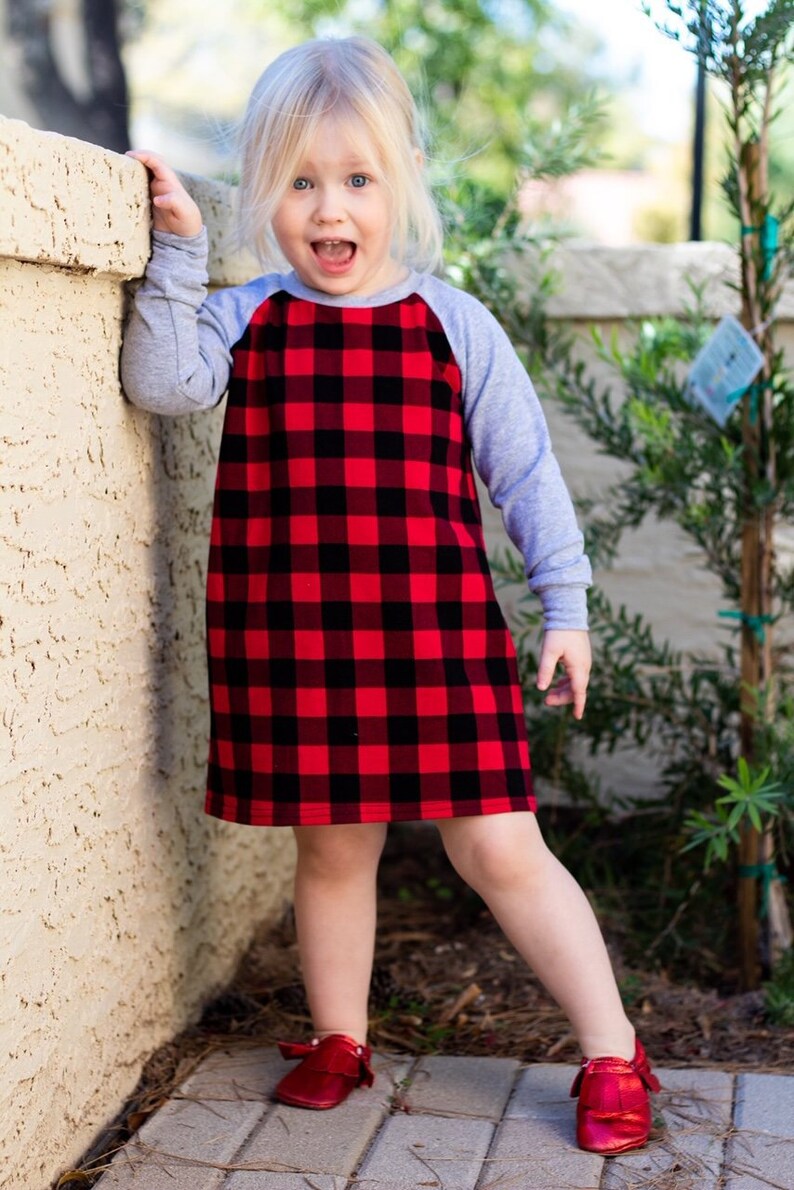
(355, 82)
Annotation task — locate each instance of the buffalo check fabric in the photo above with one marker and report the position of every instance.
(360, 667)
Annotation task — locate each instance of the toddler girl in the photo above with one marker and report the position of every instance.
(360, 669)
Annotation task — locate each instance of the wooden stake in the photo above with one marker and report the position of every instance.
(752, 565)
(757, 564)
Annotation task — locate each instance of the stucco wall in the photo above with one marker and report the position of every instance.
(123, 907)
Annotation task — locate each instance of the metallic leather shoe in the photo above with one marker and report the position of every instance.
(613, 1114)
(332, 1067)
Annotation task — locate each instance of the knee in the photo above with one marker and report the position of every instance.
(496, 858)
(339, 852)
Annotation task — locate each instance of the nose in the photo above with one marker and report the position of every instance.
(329, 207)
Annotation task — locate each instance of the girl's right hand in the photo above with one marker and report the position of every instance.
(173, 208)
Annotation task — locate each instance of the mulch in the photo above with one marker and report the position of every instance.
(446, 981)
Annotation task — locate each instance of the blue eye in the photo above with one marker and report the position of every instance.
(300, 184)
(359, 181)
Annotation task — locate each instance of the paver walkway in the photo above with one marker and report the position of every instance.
(453, 1123)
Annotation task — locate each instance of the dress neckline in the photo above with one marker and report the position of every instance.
(293, 285)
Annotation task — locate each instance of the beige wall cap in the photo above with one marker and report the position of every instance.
(67, 203)
(649, 280)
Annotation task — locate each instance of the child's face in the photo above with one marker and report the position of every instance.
(334, 224)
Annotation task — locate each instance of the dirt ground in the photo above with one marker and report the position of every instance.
(445, 980)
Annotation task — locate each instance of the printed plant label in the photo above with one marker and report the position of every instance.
(724, 368)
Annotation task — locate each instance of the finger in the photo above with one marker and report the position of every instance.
(560, 694)
(546, 667)
(176, 212)
(577, 681)
(156, 165)
(579, 700)
(147, 157)
(172, 201)
(566, 692)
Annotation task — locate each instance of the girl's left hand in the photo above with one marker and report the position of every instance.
(571, 649)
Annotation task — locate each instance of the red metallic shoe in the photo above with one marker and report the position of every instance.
(613, 1114)
(331, 1068)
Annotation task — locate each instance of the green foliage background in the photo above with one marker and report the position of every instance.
(483, 72)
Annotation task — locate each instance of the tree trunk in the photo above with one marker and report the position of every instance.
(110, 106)
(101, 117)
(756, 852)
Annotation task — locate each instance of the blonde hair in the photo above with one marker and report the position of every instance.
(354, 79)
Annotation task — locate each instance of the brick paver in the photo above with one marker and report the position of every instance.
(461, 1086)
(535, 1145)
(421, 1150)
(184, 1146)
(331, 1143)
(453, 1123)
(761, 1152)
(695, 1112)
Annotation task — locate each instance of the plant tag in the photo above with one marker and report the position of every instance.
(724, 368)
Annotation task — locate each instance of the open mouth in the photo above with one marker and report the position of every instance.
(334, 255)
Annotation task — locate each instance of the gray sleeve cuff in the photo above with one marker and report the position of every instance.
(175, 357)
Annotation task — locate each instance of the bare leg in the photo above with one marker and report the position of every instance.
(335, 908)
(547, 917)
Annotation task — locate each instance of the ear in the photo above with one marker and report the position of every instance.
(419, 158)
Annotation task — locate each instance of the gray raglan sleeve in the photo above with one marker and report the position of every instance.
(176, 356)
(512, 452)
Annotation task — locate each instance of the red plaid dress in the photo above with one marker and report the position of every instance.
(360, 666)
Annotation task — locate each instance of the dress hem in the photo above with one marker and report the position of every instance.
(325, 815)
